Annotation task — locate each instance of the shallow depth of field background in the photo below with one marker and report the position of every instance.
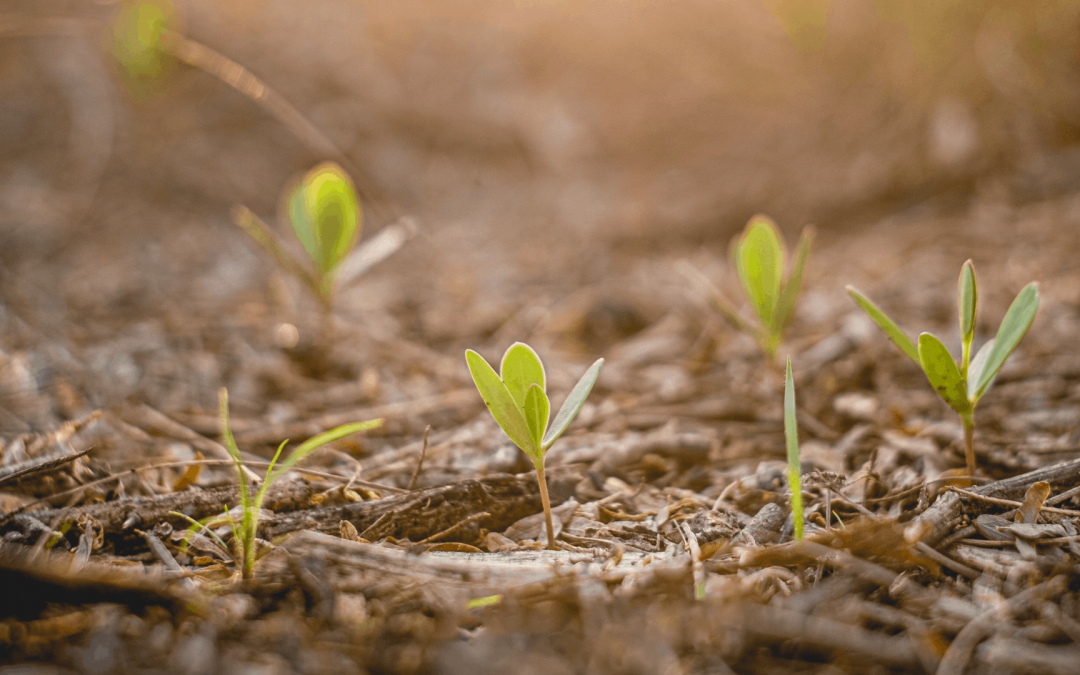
(531, 139)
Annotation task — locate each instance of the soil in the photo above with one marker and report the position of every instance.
(128, 298)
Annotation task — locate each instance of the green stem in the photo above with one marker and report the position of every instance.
(547, 505)
(968, 420)
(795, 483)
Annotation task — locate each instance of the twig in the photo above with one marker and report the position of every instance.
(946, 561)
(191, 462)
(420, 462)
(43, 465)
(1009, 502)
(454, 528)
(244, 81)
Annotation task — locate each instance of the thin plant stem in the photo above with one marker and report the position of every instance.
(547, 506)
(968, 421)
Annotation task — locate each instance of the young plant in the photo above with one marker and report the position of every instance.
(791, 434)
(325, 215)
(961, 386)
(244, 532)
(517, 399)
(759, 254)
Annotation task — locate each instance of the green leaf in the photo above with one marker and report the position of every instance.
(1013, 327)
(785, 308)
(537, 408)
(975, 369)
(325, 214)
(520, 368)
(759, 258)
(943, 374)
(315, 442)
(969, 297)
(137, 34)
(791, 435)
(501, 403)
(899, 338)
(301, 221)
(573, 404)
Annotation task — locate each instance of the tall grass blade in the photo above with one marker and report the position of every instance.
(791, 434)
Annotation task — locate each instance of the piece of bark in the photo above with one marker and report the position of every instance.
(420, 514)
(945, 513)
(121, 518)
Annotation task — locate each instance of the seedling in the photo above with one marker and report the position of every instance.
(325, 215)
(517, 399)
(962, 386)
(244, 531)
(759, 254)
(791, 434)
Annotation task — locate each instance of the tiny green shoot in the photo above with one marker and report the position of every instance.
(137, 31)
(759, 254)
(791, 434)
(962, 385)
(244, 532)
(517, 399)
(325, 214)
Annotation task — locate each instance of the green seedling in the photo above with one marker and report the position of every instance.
(137, 32)
(324, 211)
(244, 532)
(791, 434)
(759, 254)
(517, 399)
(962, 385)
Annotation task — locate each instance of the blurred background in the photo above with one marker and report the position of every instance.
(533, 140)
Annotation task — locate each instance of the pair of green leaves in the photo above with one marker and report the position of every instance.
(517, 398)
(759, 254)
(325, 215)
(961, 386)
(324, 211)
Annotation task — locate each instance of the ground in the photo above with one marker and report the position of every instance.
(554, 178)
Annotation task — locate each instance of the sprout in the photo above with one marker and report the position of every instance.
(325, 214)
(137, 31)
(759, 255)
(791, 434)
(244, 532)
(517, 399)
(961, 386)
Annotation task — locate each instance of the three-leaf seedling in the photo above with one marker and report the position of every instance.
(244, 532)
(961, 386)
(759, 254)
(325, 215)
(517, 399)
(791, 435)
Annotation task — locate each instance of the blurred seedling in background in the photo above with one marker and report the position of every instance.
(324, 212)
(961, 386)
(791, 435)
(244, 544)
(759, 255)
(517, 399)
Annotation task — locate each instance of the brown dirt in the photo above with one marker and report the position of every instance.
(554, 197)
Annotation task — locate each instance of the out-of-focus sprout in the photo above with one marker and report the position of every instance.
(137, 31)
(324, 211)
(759, 254)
